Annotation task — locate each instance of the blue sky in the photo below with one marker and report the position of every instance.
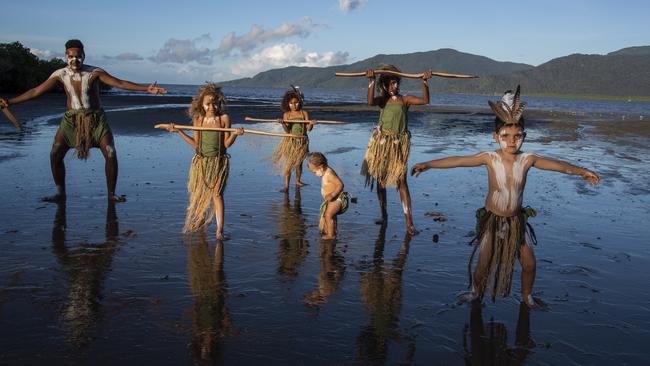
(218, 40)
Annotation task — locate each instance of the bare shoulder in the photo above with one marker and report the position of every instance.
(58, 73)
(225, 120)
(95, 71)
(530, 157)
(486, 156)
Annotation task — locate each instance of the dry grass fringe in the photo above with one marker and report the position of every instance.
(386, 159)
(504, 236)
(85, 123)
(207, 179)
(290, 153)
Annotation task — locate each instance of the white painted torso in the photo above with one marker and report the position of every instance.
(84, 99)
(507, 183)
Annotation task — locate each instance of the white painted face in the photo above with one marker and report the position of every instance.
(209, 105)
(393, 87)
(510, 138)
(294, 104)
(75, 57)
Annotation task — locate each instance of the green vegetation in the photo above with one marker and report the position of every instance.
(20, 70)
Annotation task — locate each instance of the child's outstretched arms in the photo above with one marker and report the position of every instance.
(449, 162)
(566, 168)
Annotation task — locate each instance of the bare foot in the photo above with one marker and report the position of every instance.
(533, 303)
(300, 184)
(328, 237)
(411, 230)
(57, 198)
(221, 236)
(467, 297)
(284, 189)
(116, 198)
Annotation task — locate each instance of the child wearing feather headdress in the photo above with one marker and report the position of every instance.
(502, 232)
(291, 151)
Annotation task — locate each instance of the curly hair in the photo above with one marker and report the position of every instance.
(196, 108)
(290, 94)
(384, 80)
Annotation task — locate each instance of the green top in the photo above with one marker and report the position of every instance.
(298, 128)
(394, 118)
(211, 143)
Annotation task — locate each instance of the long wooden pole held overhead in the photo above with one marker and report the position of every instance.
(406, 75)
(196, 128)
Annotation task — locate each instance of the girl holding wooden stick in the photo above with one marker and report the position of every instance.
(292, 151)
(388, 151)
(210, 164)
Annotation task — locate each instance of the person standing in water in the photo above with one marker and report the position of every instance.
(84, 124)
(211, 163)
(386, 160)
(502, 232)
(291, 150)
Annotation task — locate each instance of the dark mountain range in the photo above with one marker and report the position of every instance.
(625, 72)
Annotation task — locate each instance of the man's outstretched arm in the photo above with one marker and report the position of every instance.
(127, 85)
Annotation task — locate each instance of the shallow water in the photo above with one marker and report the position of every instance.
(88, 282)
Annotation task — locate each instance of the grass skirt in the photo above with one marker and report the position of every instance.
(290, 153)
(386, 160)
(344, 197)
(208, 176)
(503, 238)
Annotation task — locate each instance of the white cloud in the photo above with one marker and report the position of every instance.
(287, 54)
(184, 50)
(257, 35)
(45, 54)
(347, 5)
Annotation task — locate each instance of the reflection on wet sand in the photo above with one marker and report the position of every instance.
(292, 229)
(86, 267)
(381, 290)
(210, 318)
(332, 271)
(489, 346)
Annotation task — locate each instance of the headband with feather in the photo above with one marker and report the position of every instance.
(510, 108)
(300, 95)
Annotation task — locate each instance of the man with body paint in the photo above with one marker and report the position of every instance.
(84, 124)
(502, 232)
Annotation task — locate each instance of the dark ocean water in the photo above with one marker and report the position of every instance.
(92, 283)
(274, 95)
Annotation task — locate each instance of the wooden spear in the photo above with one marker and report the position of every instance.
(11, 118)
(405, 75)
(313, 121)
(196, 128)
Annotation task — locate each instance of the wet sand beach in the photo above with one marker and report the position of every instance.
(87, 282)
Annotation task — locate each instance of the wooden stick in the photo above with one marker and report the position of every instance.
(313, 121)
(405, 75)
(11, 118)
(254, 132)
